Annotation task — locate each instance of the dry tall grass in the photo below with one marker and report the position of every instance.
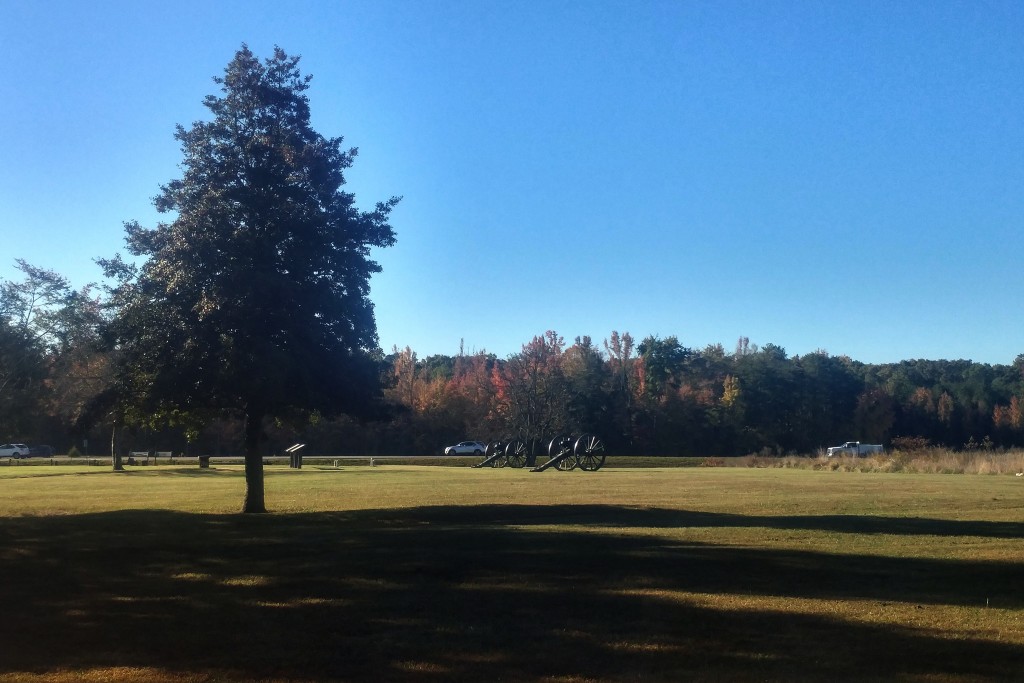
(928, 461)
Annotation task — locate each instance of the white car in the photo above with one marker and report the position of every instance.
(13, 450)
(466, 448)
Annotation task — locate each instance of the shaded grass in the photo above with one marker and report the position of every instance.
(421, 574)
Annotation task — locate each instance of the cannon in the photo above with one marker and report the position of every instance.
(564, 453)
(505, 453)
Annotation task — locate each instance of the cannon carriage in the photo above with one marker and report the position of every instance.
(587, 452)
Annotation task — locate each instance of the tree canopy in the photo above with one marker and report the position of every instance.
(253, 299)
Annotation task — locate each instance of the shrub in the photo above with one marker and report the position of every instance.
(910, 443)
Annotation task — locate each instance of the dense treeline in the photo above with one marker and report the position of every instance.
(652, 396)
(660, 397)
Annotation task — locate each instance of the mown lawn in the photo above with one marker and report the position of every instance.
(404, 573)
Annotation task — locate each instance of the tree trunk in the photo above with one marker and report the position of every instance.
(115, 452)
(254, 501)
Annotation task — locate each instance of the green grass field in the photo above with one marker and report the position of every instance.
(406, 573)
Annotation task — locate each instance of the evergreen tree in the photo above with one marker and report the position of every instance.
(254, 299)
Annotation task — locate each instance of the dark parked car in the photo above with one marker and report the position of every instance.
(40, 451)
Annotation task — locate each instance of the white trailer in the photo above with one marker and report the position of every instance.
(855, 448)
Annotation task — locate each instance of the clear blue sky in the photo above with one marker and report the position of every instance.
(839, 175)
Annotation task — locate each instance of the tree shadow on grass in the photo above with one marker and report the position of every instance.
(661, 518)
(468, 594)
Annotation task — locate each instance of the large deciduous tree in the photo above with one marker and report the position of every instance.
(254, 299)
(22, 372)
(47, 331)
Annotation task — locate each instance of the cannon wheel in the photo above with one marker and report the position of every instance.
(493, 448)
(589, 451)
(515, 453)
(560, 445)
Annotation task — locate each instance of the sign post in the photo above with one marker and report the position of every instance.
(296, 457)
